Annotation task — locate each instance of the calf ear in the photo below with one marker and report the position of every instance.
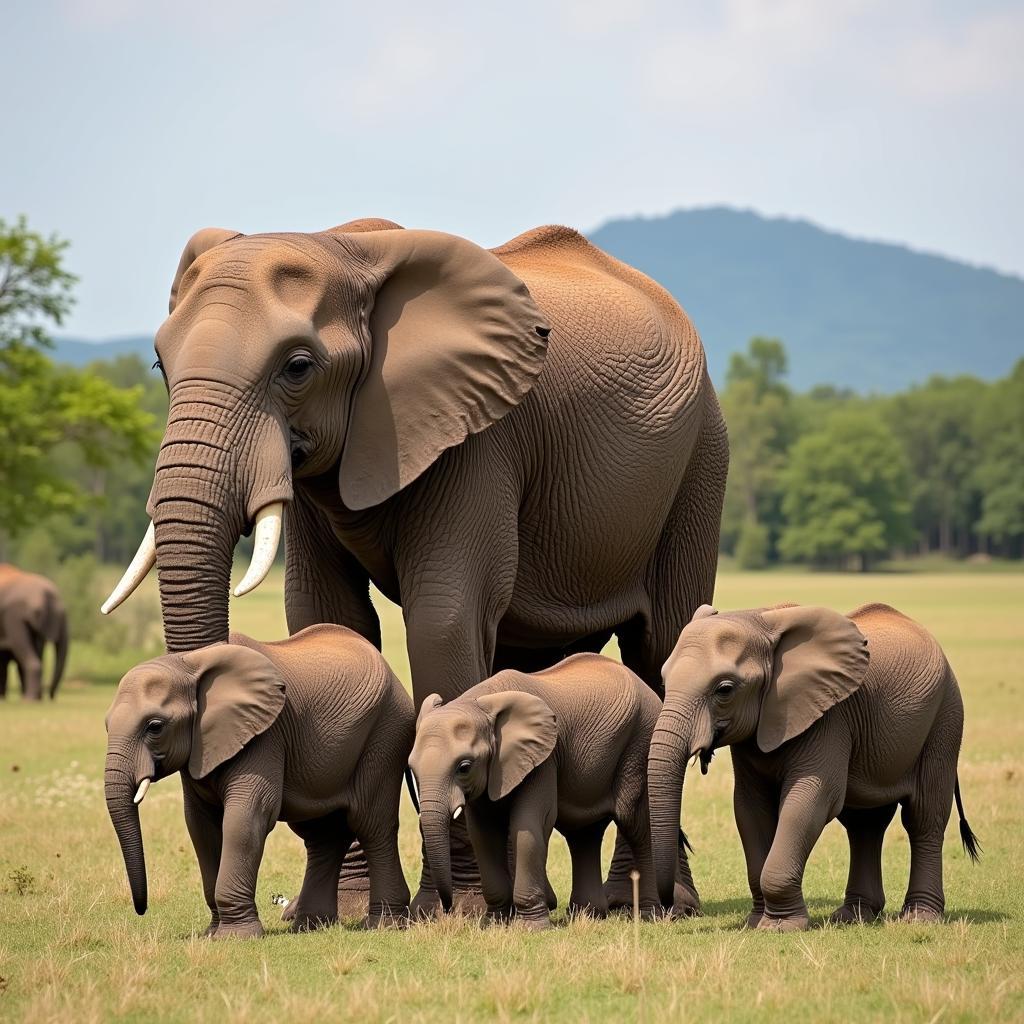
(525, 730)
(200, 242)
(430, 702)
(239, 694)
(820, 658)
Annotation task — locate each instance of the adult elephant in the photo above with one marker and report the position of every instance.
(31, 615)
(520, 446)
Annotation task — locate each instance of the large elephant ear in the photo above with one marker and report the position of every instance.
(525, 730)
(820, 658)
(239, 694)
(203, 240)
(456, 342)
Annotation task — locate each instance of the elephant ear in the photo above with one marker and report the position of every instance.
(203, 240)
(456, 341)
(430, 702)
(820, 658)
(239, 694)
(525, 730)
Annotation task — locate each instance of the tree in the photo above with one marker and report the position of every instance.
(845, 492)
(49, 409)
(757, 406)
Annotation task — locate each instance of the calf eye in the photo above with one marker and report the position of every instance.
(725, 688)
(462, 768)
(154, 727)
(298, 367)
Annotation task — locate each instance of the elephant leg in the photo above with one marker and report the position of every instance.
(865, 896)
(754, 805)
(326, 840)
(488, 829)
(26, 650)
(531, 819)
(587, 897)
(925, 814)
(634, 822)
(389, 894)
(245, 831)
(5, 661)
(806, 807)
(204, 823)
(681, 575)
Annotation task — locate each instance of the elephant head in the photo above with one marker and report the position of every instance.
(182, 711)
(767, 673)
(357, 354)
(469, 749)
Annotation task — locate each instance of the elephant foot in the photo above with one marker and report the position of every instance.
(288, 914)
(685, 901)
(211, 928)
(386, 915)
(498, 916)
(918, 913)
(857, 912)
(533, 921)
(311, 922)
(426, 905)
(795, 923)
(354, 896)
(596, 911)
(753, 919)
(238, 930)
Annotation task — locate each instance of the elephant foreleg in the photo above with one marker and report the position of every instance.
(204, 824)
(755, 804)
(531, 819)
(245, 831)
(327, 840)
(587, 896)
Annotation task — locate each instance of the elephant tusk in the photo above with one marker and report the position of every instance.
(144, 560)
(458, 811)
(140, 794)
(264, 550)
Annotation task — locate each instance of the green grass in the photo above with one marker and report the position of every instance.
(71, 947)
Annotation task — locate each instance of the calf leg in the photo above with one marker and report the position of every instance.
(865, 896)
(327, 840)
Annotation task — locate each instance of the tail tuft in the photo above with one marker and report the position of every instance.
(971, 844)
(684, 843)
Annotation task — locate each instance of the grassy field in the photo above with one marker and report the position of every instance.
(71, 947)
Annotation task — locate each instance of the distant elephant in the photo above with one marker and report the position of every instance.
(827, 716)
(563, 748)
(521, 446)
(31, 615)
(314, 731)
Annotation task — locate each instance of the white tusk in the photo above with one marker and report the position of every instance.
(140, 794)
(144, 560)
(458, 811)
(264, 549)
(415, 785)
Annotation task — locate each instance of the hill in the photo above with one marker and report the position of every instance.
(858, 314)
(869, 316)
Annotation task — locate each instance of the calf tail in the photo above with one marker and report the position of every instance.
(967, 837)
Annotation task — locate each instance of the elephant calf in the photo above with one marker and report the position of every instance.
(828, 716)
(563, 748)
(314, 731)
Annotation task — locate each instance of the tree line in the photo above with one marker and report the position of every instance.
(834, 479)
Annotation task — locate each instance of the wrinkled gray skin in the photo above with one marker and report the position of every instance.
(522, 447)
(31, 615)
(521, 754)
(313, 731)
(827, 716)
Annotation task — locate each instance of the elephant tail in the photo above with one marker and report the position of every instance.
(61, 651)
(967, 837)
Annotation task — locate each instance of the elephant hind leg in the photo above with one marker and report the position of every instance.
(587, 897)
(327, 840)
(5, 661)
(865, 897)
(681, 575)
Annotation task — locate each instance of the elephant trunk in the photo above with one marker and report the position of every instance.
(219, 465)
(666, 773)
(119, 788)
(435, 824)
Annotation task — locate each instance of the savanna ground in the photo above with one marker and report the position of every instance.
(71, 947)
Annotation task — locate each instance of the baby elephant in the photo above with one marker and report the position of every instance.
(564, 748)
(314, 731)
(828, 716)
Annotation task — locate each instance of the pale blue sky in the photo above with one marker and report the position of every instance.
(130, 123)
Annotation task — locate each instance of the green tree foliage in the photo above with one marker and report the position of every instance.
(53, 416)
(757, 406)
(845, 488)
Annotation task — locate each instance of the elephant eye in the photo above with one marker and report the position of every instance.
(154, 727)
(725, 688)
(298, 367)
(462, 768)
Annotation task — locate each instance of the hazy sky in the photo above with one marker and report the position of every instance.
(130, 123)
